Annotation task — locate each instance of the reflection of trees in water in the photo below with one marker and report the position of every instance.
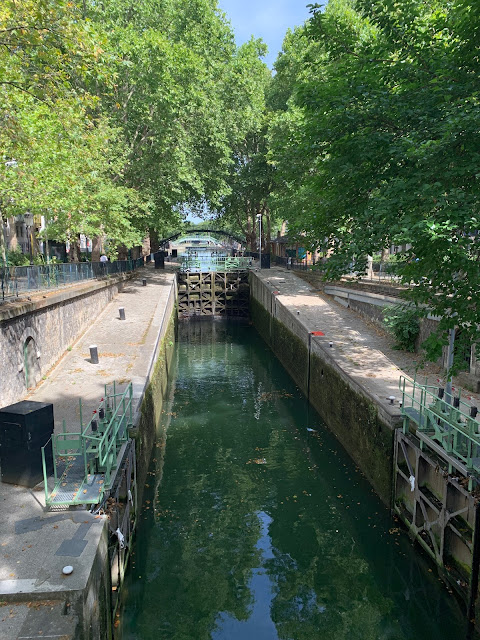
(205, 533)
(335, 575)
(331, 597)
(322, 585)
(332, 575)
(196, 543)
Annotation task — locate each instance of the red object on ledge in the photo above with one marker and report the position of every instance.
(317, 333)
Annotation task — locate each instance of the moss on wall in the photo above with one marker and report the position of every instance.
(288, 348)
(292, 353)
(152, 404)
(355, 422)
(261, 319)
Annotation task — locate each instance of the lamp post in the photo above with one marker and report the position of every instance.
(259, 218)
(450, 357)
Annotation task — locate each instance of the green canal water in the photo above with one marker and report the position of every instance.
(256, 525)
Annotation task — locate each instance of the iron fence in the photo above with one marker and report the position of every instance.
(295, 264)
(16, 281)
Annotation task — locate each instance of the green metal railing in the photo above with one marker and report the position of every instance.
(204, 263)
(15, 281)
(450, 421)
(83, 461)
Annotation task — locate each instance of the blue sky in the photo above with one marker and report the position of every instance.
(266, 19)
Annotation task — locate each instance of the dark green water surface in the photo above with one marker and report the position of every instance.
(255, 528)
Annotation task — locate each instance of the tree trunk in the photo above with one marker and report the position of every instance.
(74, 250)
(3, 248)
(251, 235)
(268, 238)
(96, 244)
(122, 252)
(153, 241)
(146, 246)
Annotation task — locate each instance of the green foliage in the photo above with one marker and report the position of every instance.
(396, 263)
(61, 157)
(403, 323)
(15, 258)
(379, 144)
(117, 119)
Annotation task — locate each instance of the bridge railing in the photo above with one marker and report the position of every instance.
(207, 263)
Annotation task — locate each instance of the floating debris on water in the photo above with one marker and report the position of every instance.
(257, 461)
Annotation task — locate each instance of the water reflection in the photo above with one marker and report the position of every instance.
(256, 528)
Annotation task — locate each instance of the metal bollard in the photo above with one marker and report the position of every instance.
(94, 354)
(121, 311)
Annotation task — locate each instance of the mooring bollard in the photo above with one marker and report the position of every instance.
(94, 354)
(144, 282)
(121, 311)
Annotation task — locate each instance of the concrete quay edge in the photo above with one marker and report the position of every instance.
(38, 566)
(316, 313)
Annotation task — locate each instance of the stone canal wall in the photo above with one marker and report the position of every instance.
(149, 393)
(334, 362)
(40, 604)
(34, 334)
(153, 391)
(359, 417)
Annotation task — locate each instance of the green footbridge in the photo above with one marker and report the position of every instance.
(203, 263)
(84, 461)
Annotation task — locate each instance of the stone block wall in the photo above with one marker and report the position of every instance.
(35, 334)
(153, 402)
(355, 420)
(349, 411)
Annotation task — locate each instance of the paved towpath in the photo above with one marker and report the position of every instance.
(363, 351)
(125, 350)
(35, 545)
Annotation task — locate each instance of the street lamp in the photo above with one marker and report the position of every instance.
(259, 218)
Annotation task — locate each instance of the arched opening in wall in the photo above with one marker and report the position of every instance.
(30, 362)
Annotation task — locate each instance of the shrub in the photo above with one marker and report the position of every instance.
(15, 258)
(404, 324)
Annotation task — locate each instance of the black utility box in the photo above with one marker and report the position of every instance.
(25, 427)
(265, 261)
(159, 258)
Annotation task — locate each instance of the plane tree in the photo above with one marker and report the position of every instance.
(384, 115)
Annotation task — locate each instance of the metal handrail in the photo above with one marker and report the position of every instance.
(215, 263)
(108, 438)
(18, 280)
(94, 447)
(457, 430)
